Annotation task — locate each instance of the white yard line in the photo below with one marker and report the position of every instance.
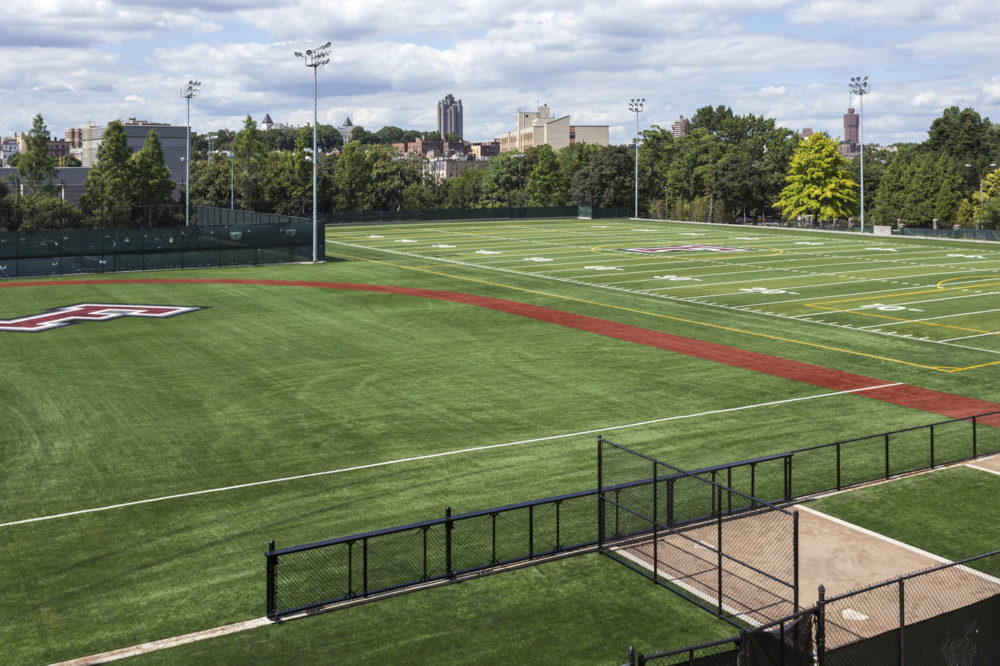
(443, 454)
(152, 646)
(966, 337)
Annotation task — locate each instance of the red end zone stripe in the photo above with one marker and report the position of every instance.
(936, 402)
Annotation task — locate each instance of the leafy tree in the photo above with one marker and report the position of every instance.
(468, 189)
(545, 185)
(817, 182)
(249, 155)
(152, 185)
(607, 179)
(503, 182)
(966, 138)
(108, 190)
(37, 167)
(949, 193)
(355, 190)
(389, 176)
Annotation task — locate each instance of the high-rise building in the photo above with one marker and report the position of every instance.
(851, 123)
(449, 117)
(680, 127)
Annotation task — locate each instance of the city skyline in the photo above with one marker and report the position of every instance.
(790, 60)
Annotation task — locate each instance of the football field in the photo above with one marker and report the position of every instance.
(149, 460)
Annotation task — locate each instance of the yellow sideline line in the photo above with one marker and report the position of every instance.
(944, 368)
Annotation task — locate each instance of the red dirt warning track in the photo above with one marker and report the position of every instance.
(936, 402)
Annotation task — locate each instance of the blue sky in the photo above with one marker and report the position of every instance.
(78, 60)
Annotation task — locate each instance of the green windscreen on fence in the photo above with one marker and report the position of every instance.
(497, 213)
(68, 252)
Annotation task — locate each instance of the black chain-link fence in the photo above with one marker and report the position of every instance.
(785, 476)
(947, 614)
(718, 547)
(318, 574)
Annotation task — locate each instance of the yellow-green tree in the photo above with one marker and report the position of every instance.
(818, 183)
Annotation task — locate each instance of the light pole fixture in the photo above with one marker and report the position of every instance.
(189, 91)
(859, 87)
(982, 175)
(635, 106)
(229, 154)
(314, 58)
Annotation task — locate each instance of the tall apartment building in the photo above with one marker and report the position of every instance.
(449, 117)
(535, 128)
(679, 128)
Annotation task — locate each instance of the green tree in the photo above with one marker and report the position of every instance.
(817, 182)
(389, 175)
(108, 191)
(545, 185)
(37, 166)
(949, 194)
(353, 181)
(250, 156)
(152, 185)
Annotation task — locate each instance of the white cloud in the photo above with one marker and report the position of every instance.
(392, 61)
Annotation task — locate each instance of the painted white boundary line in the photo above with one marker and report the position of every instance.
(152, 646)
(982, 469)
(676, 581)
(913, 549)
(442, 454)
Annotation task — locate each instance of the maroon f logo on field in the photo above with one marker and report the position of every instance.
(71, 314)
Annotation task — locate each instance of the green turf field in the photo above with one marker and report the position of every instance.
(929, 511)
(272, 382)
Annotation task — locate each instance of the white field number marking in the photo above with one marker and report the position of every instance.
(375, 236)
(536, 259)
(881, 249)
(405, 240)
(674, 278)
(765, 290)
(443, 246)
(487, 252)
(806, 243)
(603, 268)
(888, 308)
(967, 256)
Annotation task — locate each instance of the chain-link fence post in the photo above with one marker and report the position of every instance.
(272, 563)
(448, 526)
(821, 627)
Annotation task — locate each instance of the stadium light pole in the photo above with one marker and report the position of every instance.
(189, 91)
(229, 154)
(210, 137)
(635, 105)
(314, 58)
(859, 87)
(982, 175)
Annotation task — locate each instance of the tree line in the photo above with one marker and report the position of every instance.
(727, 167)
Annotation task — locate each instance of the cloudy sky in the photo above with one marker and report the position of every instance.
(392, 60)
